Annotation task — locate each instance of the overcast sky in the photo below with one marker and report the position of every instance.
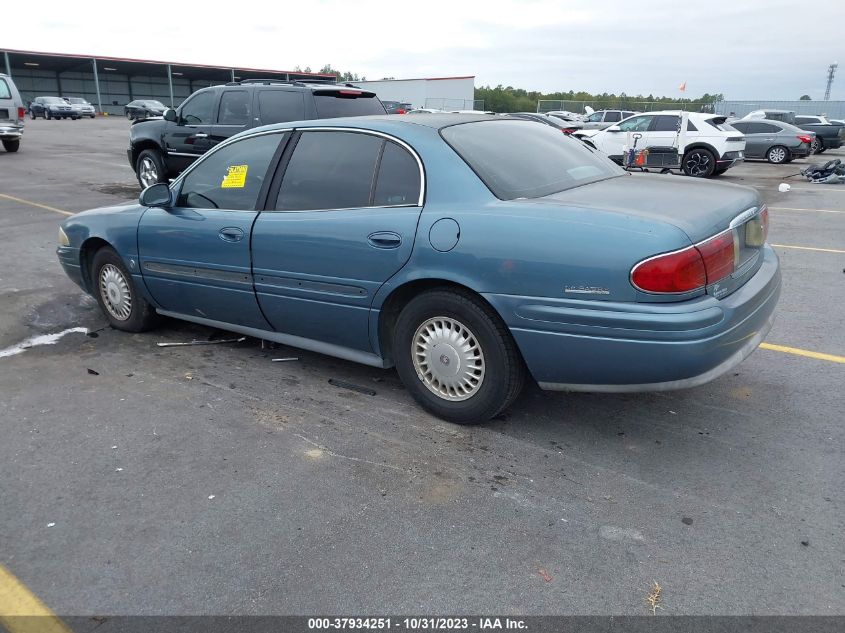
(746, 49)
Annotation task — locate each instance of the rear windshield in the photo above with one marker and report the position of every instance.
(335, 103)
(520, 159)
(720, 123)
(5, 93)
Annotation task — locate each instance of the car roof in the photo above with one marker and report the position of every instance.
(381, 122)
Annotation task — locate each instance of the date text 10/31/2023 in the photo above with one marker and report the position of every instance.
(417, 624)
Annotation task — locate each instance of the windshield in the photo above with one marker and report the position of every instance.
(539, 160)
(54, 100)
(77, 100)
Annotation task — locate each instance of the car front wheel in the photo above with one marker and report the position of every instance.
(115, 291)
(12, 145)
(777, 154)
(150, 168)
(456, 357)
(699, 163)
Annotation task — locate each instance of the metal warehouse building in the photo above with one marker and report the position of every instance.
(111, 82)
(442, 93)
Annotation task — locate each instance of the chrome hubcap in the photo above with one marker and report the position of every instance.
(448, 358)
(114, 292)
(697, 164)
(147, 172)
(777, 155)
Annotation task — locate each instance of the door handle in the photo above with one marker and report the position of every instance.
(384, 239)
(231, 234)
(200, 135)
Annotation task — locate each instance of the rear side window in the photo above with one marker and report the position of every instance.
(398, 180)
(5, 91)
(330, 170)
(539, 160)
(339, 103)
(740, 127)
(234, 108)
(198, 109)
(612, 117)
(768, 128)
(231, 177)
(278, 106)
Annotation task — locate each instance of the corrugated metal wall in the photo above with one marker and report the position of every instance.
(831, 109)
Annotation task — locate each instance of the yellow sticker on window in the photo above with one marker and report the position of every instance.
(235, 177)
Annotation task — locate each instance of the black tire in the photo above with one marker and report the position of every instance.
(32, 115)
(129, 115)
(699, 163)
(75, 118)
(141, 315)
(818, 146)
(778, 155)
(503, 373)
(47, 115)
(12, 145)
(154, 156)
(719, 171)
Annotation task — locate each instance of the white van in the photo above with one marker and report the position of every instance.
(11, 114)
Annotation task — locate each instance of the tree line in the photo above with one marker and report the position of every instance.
(510, 99)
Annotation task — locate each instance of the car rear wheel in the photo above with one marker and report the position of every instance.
(456, 357)
(699, 163)
(150, 168)
(818, 146)
(12, 145)
(115, 291)
(777, 154)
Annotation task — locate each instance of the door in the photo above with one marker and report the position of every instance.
(593, 122)
(756, 143)
(611, 117)
(234, 115)
(188, 138)
(341, 223)
(616, 138)
(195, 256)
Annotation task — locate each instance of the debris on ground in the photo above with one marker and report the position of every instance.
(195, 342)
(189, 376)
(653, 598)
(284, 360)
(348, 385)
(92, 372)
(51, 525)
(544, 575)
(211, 496)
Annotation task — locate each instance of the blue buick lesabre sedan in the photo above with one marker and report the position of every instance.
(467, 251)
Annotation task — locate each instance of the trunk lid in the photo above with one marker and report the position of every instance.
(701, 209)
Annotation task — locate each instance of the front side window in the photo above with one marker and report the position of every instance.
(595, 117)
(277, 106)
(234, 108)
(330, 170)
(198, 109)
(612, 117)
(636, 124)
(665, 123)
(231, 177)
(538, 162)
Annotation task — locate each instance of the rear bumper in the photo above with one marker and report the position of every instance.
(832, 142)
(626, 347)
(729, 159)
(10, 132)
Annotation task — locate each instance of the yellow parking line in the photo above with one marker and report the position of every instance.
(22, 612)
(809, 248)
(803, 352)
(797, 209)
(35, 204)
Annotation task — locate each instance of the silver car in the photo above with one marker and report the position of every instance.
(12, 114)
(603, 119)
(776, 141)
(81, 107)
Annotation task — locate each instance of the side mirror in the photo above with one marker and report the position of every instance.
(170, 115)
(157, 195)
(614, 128)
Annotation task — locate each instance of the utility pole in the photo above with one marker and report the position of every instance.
(831, 71)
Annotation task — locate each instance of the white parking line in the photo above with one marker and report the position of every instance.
(798, 209)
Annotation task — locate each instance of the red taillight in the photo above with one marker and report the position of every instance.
(719, 255)
(680, 271)
(569, 130)
(350, 92)
(401, 111)
(805, 139)
(21, 113)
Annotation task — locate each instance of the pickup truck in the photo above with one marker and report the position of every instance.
(828, 135)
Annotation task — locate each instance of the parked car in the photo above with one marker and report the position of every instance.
(416, 242)
(397, 107)
(566, 115)
(51, 108)
(567, 127)
(776, 141)
(81, 106)
(603, 119)
(712, 146)
(11, 114)
(143, 108)
(828, 136)
(425, 111)
(161, 148)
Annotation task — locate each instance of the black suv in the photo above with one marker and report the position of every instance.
(160, 149)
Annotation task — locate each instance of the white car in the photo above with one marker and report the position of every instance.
(708, 147)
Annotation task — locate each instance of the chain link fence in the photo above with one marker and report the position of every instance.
(578, 107)
(831, 109)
